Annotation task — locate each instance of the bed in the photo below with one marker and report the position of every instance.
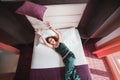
(46, 63)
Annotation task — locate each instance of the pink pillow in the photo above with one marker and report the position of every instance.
(32, 9)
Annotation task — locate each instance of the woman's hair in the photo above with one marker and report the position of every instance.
(54, 37)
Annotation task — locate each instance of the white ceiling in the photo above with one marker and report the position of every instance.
(61, 16)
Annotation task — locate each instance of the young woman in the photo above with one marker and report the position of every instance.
(68, 56)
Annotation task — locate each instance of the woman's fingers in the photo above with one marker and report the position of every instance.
(47, 23)
(38, 31)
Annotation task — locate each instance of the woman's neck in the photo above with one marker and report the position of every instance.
(56, 45)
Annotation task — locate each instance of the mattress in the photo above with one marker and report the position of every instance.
(45, 57)
(48, 64)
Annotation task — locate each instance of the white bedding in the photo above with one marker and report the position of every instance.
(45, 57)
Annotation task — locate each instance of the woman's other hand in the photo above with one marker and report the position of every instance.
(38, 31)
(47, 23)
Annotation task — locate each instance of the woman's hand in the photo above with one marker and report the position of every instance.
(47, 24)
(38, 31)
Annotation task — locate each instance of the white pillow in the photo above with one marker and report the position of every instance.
(57, 25)
(60, 16)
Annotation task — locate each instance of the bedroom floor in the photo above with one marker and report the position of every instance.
(98, 67)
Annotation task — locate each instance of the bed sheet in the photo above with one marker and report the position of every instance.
(45, 57)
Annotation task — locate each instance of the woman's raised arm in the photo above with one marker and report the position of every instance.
(42, 37)
(54, 30)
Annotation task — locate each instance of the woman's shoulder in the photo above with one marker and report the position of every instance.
(58, 45)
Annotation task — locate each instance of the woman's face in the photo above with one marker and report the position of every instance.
(52, 41)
